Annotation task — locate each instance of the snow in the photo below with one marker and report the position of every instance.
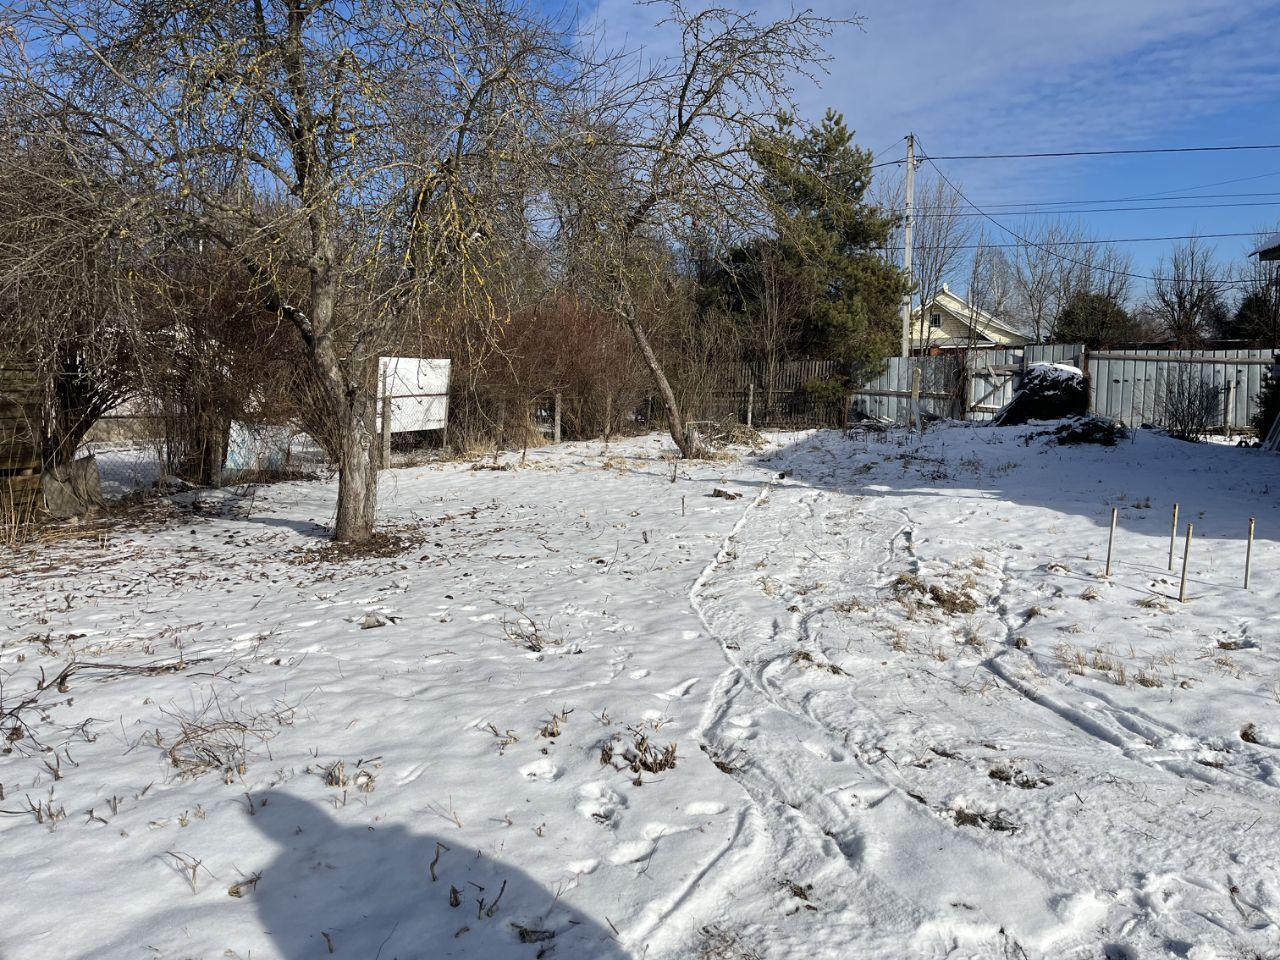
(910, 715)
(1064, 371)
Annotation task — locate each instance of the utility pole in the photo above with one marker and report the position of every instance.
(907, 224)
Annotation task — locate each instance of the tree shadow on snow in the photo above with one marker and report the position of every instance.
(366, 892)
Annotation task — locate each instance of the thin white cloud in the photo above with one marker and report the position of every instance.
(1017, 75)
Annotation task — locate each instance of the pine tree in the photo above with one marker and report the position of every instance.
(825, 248)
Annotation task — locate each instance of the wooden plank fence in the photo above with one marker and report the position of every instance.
(21, 407)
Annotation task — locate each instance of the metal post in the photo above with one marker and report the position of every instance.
(1111, 540)
(908, 224)
(1186, 556)
(1173, 534)
(913, 416)
(1248, 554)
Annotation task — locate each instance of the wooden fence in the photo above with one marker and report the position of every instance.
(21, 407)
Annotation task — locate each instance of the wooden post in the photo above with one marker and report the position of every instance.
(1173, 534)
(608, 416)
(556, 428)
(751, 396)
(386, 418)
(1248, 553)
(1111, 540)
(1186, 556)
(1088, 381)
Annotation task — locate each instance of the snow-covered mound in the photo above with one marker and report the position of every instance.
(1048, 391)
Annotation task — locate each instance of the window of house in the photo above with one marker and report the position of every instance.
(935, 320)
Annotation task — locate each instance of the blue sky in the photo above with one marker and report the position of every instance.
(1001, 76)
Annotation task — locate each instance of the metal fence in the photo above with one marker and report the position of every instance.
(1129, 385)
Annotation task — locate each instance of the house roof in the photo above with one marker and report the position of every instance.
(1269, 249)
(960, 308)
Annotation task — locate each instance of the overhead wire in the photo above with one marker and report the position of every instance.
(926, 157)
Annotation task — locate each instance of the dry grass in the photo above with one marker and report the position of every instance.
(952, 601)
(523, 631)
(807, 659)
(716, 943)
(213, 737)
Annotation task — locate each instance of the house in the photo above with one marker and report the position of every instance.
(949, 322)
(1269, 250)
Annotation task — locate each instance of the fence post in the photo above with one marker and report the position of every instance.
(1088, 382)
(751, 396)
(556, 428)
(386, 418)
(913, 415)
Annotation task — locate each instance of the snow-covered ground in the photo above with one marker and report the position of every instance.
(881, 704)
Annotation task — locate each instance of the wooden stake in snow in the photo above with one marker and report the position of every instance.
(1186, 557)
(1111, 540)
(751, 398)
(556, 431)
(1248, 553)
(1173, 534)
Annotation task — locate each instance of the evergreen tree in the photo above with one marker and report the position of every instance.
(823, 261)
(1257, 318)
(1094, 319)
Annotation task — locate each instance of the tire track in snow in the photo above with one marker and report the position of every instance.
(831, 819)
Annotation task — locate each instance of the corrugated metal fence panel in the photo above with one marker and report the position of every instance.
(888, 395)
(1128, 384)
(1131, 384)
(1068, 353)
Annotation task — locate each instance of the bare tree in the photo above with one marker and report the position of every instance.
(1038, 275)
(669, 153)
(942, 232)
(343, 153)
(65, 291)
(1185, 287)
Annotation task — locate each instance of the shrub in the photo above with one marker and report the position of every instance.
(1190, 406)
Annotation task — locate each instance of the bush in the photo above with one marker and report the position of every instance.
(1268, 400)
(1191, 405)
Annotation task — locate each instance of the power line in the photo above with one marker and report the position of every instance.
(1038, 213)
(1215, 183)
(1152, 197)
(1073, 243)
(1053, 253)
(1108, 153)
(880, 153)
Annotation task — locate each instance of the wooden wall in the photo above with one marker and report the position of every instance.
(20, 412)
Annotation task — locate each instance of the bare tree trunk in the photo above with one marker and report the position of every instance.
(357, 472)
(687, 440)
